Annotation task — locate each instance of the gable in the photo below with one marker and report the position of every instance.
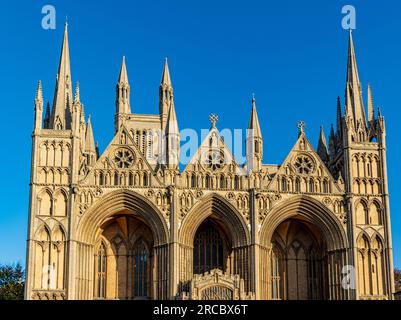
(303, 171)
(214, 157)
(122, 164)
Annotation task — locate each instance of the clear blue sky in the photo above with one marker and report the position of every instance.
(292, 54)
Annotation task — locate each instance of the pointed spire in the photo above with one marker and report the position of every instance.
(166, 96)
(173, 138)
(353, 87)
(371, 111)
(166, 80)
(122, 97)
(172, 124)
(89, 140)
(352, 69)
(254, 120)
(254, 141)
(46, 124)
(123, 77)
(322, 146)
(63, 92)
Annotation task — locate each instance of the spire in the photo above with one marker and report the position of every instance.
(352, 69)
(123, 77)
(371, 111)
(122, 97)
(172, 124)
(89, 140)
(254, 142)
(353, 87)
(173, 138)
(322, 146)
(166, 75)
(254, 120)
(166, 96)
(46, 124)
(60, 118)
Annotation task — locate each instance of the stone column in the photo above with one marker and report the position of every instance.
(254, 257)
(173, 245)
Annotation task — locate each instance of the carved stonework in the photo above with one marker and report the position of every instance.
(216, 285)
(48, 295)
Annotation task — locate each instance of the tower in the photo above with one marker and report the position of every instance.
(359, 156)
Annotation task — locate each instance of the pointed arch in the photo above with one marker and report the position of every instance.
(310, 210)
(45, 202)
(42, 271)
(60, 203)
(216, 205)
(375, 213)
(122, 201)
(361, 212)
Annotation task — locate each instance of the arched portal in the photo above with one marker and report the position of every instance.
(303, 252)
(122, 249)
(213, 235)
(124, 260)
(298, 263)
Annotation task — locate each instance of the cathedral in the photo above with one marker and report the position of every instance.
(130, 223)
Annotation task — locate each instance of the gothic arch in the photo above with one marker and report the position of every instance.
(45, 202)
(122, 201)
(60, 198)
(310, 210)
(217, 205)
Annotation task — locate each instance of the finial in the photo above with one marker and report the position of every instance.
(301, 125)
(253, 96)
(213, 119)
(66, 20)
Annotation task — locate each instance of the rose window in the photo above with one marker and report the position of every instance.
(123, 159)
(215, 160)
(303, 165)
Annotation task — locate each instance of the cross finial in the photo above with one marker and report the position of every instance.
(301, 125)
(213, 119)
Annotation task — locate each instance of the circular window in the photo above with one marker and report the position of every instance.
(124, 159)
(303, 164)
(214, 160)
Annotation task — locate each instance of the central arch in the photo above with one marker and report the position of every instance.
(218, 208)
(214, 235)
(303, 250)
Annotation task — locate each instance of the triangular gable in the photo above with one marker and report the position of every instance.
(121, 140)
(205, 157)
(303, 162)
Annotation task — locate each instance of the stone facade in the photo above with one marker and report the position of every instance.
(117, 225)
